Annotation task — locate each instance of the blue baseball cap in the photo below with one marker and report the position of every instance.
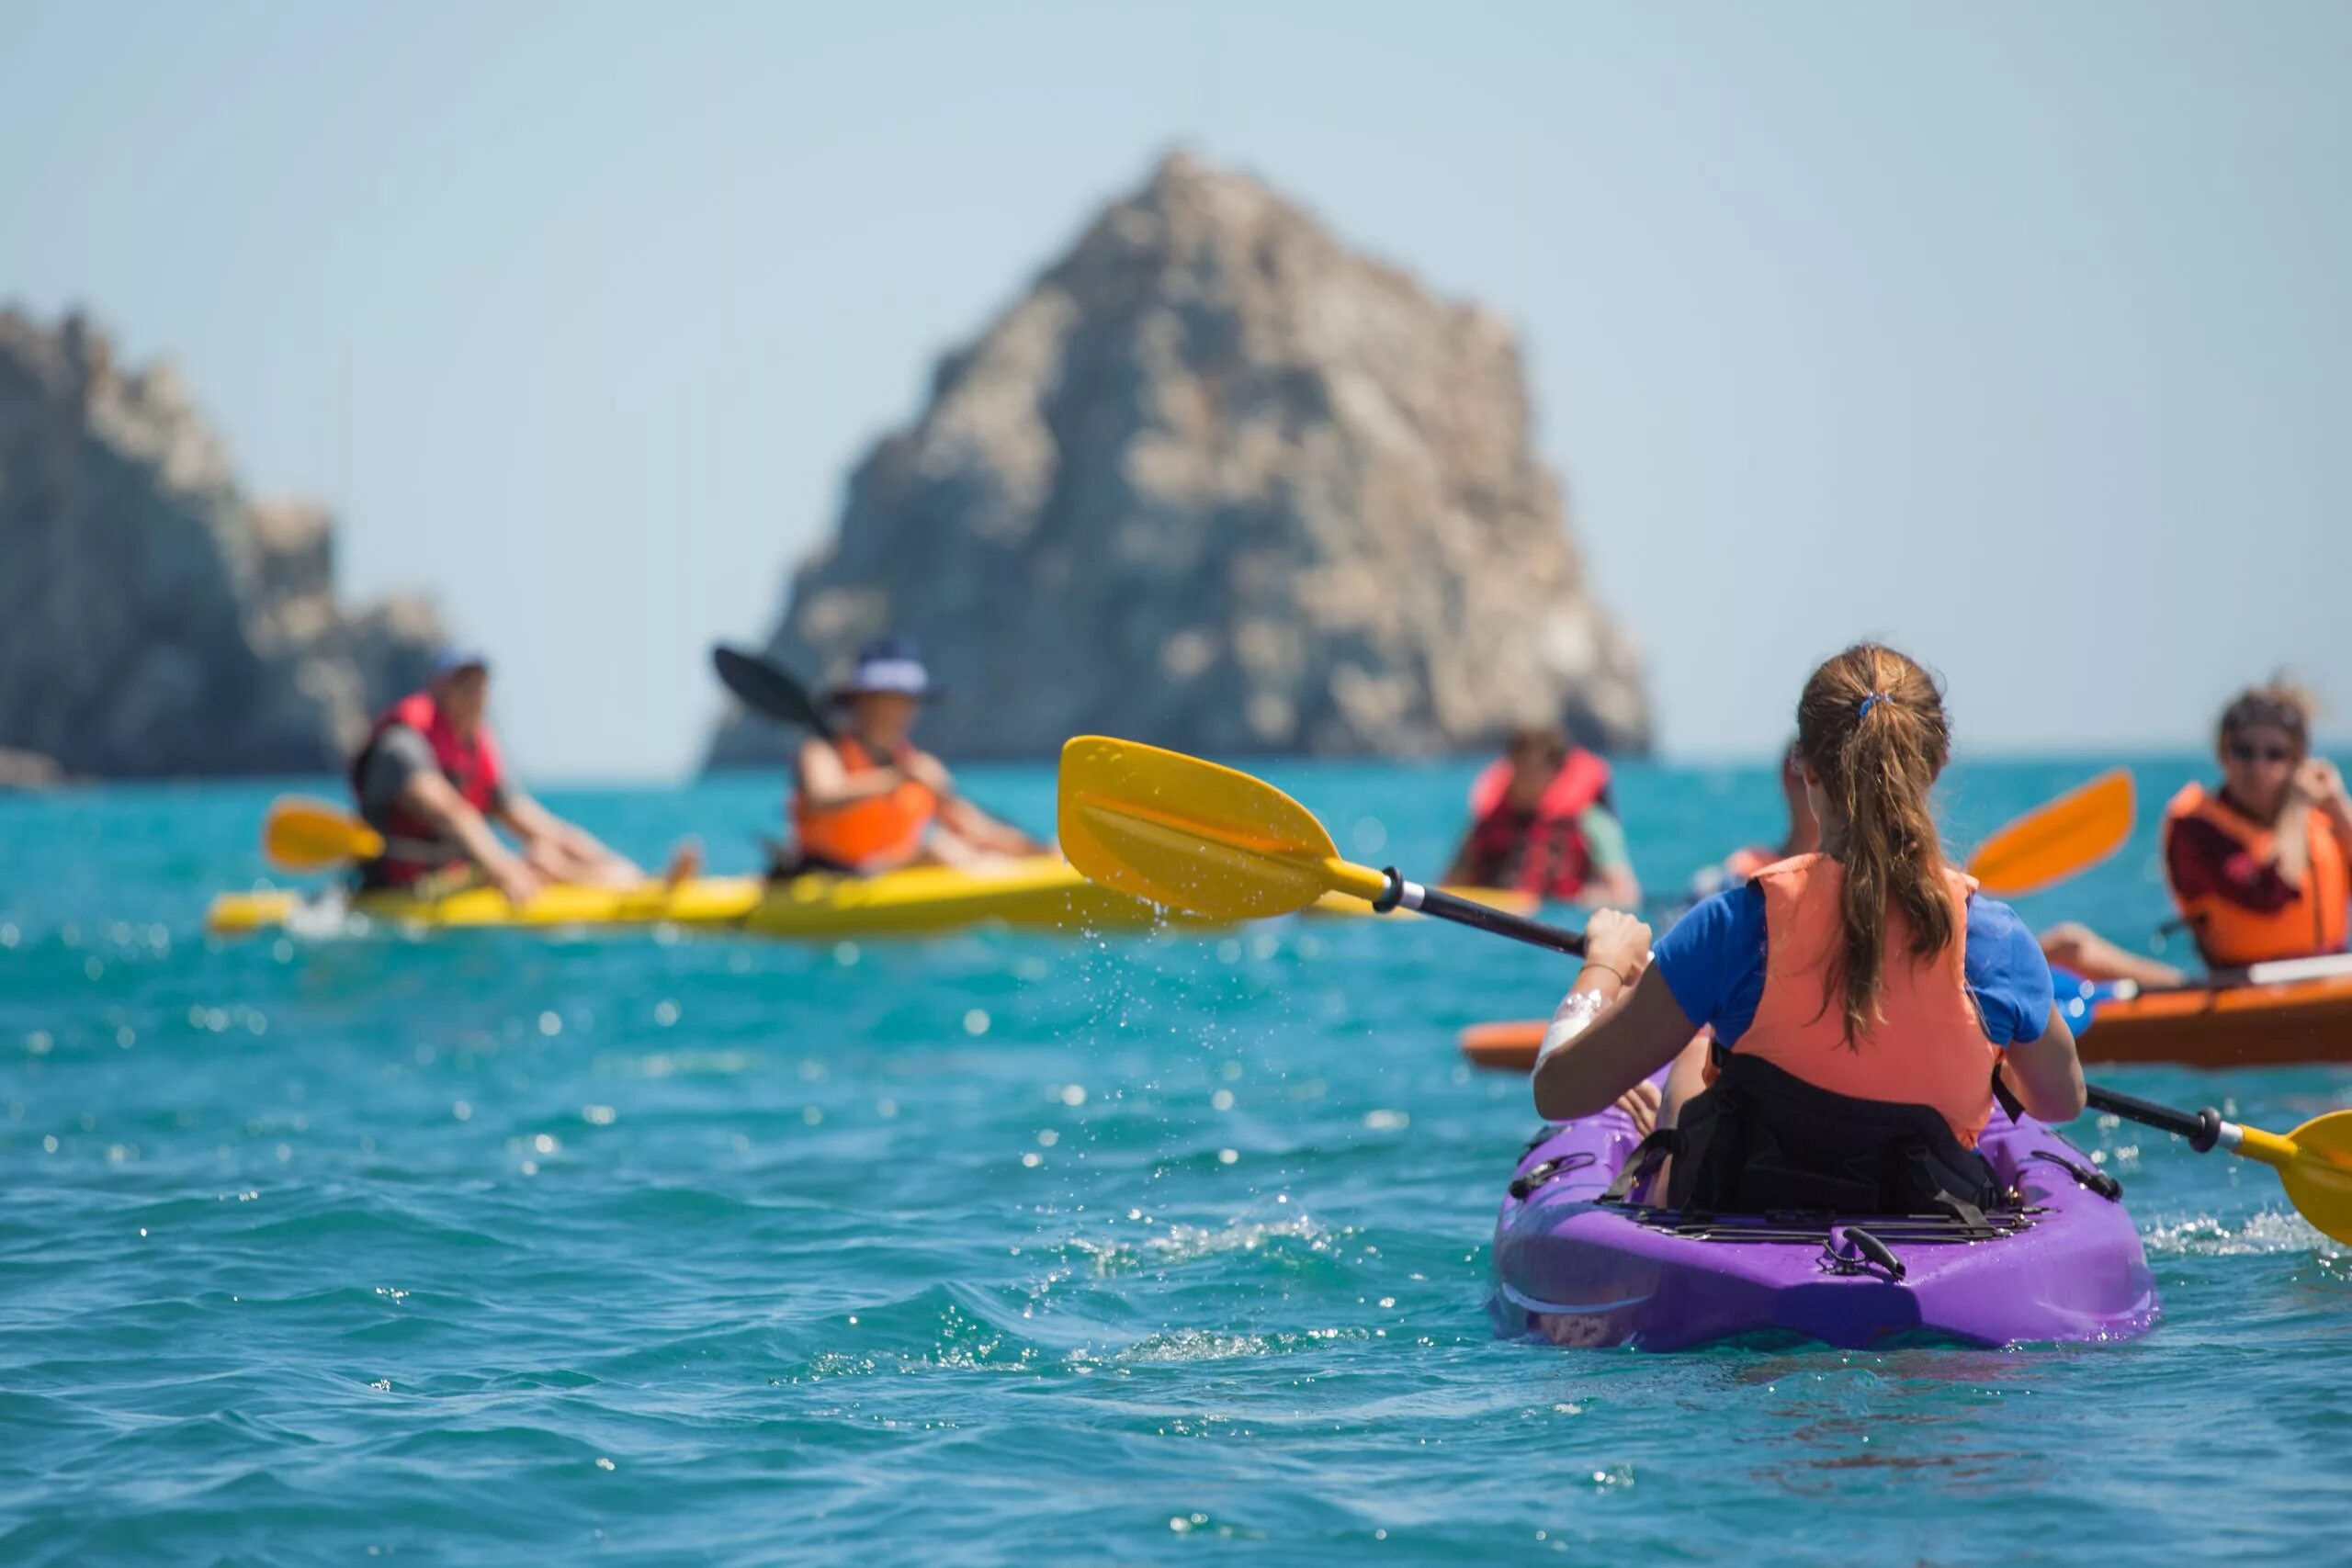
(891, 664)
(455, 658)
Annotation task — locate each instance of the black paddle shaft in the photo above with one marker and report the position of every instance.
(2201, 1128)
(1463, 913)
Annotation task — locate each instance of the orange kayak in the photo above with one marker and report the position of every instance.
(2237, 1026)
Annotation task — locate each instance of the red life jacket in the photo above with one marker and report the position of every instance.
(471, 766)
(1543, 853)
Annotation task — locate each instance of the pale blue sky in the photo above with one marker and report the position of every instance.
(2018, 333)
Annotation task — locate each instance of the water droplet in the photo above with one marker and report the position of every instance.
(550, 1024)
(1228, 1157)
(976, 1022)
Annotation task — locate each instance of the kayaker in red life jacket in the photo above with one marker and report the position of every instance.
(868, 800)
(1802, 838)
(430, 779)
(1541, 822)
(1862, 998)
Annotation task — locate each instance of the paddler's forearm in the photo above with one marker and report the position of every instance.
(2292, 855)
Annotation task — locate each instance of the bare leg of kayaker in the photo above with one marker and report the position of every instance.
(2082, 951)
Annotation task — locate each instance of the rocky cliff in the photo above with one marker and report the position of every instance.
(1217, 482)
(153, 620)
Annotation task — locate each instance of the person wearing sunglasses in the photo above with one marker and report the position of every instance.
(2262, 867)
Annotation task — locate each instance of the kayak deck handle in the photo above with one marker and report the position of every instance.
(1870, 1253)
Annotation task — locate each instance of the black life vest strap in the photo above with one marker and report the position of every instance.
(1663, 1143)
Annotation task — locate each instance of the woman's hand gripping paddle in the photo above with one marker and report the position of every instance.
(1189, 834)
(311, 835)
(2056, 840)
(2313, 1162)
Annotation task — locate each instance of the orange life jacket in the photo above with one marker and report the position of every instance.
(870, 835)
(1928, 1048)
(1548, 855)
(414, 844)
(2231, 935)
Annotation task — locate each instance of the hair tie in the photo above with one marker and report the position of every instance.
(1874, 698)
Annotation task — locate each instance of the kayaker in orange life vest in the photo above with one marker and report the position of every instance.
(430, 779)
(1862, 999)
(2258, 869)
(1541, 822)
(868, 800)
(2262, 868)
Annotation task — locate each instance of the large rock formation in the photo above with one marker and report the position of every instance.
(153, 619)
(1218, 482)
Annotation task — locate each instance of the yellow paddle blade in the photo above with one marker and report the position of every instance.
(311, 835)
(2052, 842)
(1193, 836)
(2314, 1164)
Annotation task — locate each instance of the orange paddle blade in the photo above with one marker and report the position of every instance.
(311, 835)
(1502, 1047)
(2049, 844)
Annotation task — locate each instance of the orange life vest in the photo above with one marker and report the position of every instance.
(870, 835)
(414, 845)
(1547, 854)
(1928, 1048)
(2231, 935)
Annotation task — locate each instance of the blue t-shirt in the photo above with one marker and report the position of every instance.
(1713, 963)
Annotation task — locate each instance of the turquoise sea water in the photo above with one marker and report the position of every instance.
(494, 1249)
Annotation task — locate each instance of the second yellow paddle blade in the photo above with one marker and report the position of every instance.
(2072, 833)
(2319, 1179)
(311, 835)
(1195, 836)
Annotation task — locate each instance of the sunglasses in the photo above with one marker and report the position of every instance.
(2245, 753)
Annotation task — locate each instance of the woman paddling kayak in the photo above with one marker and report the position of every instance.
(869, 800)
(1864, 1000)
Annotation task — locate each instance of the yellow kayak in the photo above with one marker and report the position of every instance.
(1041, 894)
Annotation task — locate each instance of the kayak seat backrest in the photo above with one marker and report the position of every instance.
(1761, 1139)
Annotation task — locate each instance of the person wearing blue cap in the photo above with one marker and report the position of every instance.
(868, 800)
(430, 780)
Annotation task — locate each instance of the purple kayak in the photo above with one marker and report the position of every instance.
(2066, 1265)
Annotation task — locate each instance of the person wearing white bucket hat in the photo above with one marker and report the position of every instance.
(868, 800)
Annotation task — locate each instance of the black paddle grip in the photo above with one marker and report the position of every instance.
(1463, 913)
(2201, 1128)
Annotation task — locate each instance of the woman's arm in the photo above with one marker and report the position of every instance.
(1638, 1032)
(1588, 1060)
(2046, 1075)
